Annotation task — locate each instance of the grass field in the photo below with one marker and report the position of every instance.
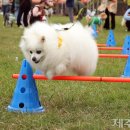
(69, 105)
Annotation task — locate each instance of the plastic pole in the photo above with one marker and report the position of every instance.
(80, 78)
(113, 56)
(110, 48)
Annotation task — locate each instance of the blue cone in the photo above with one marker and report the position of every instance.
(111, 39)
(25, 98)
(127, 69)
(95, 34)
(126, 46)
(38, 72)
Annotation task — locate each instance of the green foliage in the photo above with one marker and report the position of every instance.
(70, 105)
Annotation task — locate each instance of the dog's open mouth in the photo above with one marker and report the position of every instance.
(37, 61)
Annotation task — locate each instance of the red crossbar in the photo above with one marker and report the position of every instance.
(113, 56)
(80, 78)
(101, 45)
(110, 48)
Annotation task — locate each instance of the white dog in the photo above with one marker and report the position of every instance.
(60, 52)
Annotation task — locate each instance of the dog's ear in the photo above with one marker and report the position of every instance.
(23, 38)
(42, 39)
(23, 42)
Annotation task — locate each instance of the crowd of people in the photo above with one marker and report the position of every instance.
(27, 12)
(106, 12)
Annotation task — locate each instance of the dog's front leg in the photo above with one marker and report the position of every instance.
(49, 74)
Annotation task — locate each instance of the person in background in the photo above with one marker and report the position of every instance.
(102, 7)
(70, 8)
(16, 7)
(37, 13)
(24, 8)
(59, 7)
(128, 3)
(0, 4)
(126, 18)
(81, 9)
(96, 20)
(49, 4)
(5, 7)
(111, 10)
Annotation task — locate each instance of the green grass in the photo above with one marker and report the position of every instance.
(69, 105)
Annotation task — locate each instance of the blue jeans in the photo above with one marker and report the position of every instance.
(5, 9)
(16, 10)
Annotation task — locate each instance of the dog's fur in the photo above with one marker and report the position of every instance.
(60, 52)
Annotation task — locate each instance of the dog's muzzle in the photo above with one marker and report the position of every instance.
(34, 59)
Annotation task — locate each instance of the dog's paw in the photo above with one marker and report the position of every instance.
(49, 74)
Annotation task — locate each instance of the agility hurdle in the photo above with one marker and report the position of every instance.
(101, 45)
(78, 78)
(25, 98)
(84, 78)
(124, 49)
(110, 48)
(113, 56)
(110, 42)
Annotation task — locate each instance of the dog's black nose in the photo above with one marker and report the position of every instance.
(34, 59)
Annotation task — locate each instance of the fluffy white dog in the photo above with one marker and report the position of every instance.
(60, 52)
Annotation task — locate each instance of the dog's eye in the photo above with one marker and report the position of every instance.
(38, 52)
(31, 52)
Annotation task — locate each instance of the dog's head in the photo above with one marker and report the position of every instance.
(33, 48)
(35, 41)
